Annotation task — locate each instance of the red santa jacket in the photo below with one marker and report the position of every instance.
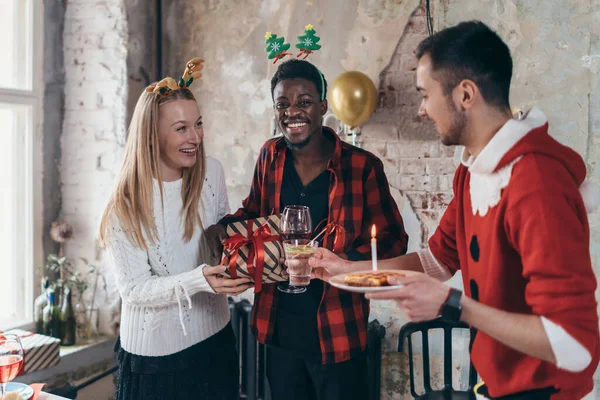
(517, 228)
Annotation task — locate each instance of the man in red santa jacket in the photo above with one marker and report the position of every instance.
(516, 228)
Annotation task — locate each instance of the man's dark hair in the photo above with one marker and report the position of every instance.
(471, 50)
(300, 69)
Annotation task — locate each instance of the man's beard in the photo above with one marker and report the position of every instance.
(457, 127)
(296, 146)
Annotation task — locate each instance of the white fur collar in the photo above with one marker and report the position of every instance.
(486, 184)
(486, 189)
(504, 140)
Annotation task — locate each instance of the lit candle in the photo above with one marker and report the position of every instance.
(374, 247)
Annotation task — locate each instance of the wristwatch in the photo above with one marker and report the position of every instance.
(451, 309)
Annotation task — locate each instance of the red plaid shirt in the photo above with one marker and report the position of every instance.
(359, 196)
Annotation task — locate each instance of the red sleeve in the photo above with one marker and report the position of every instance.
(380, 209)
(549, 229)
(443, 242)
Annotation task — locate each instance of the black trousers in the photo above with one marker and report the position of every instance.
(292, 377)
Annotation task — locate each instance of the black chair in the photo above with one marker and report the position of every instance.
(447, 393)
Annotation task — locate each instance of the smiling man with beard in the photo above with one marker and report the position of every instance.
(516, 228)
(317, 339)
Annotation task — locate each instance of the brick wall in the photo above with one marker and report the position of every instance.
(420, 171)
(416, 163)
(418, 167)
(93, 135)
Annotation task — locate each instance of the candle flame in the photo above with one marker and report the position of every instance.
(373, 231)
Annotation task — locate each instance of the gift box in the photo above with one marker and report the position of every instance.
(253, 249)
(40, 351)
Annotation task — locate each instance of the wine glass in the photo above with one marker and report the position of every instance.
(11, 359)
(296, 224)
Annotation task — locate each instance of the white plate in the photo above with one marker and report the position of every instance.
(25, 391)
(338, 282)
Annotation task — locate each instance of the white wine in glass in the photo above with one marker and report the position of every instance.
(296, 224)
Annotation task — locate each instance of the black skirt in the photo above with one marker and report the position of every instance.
(208, 370)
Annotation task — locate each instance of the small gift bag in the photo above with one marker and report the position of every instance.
(253, 249)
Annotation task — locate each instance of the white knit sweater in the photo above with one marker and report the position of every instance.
(168, 305)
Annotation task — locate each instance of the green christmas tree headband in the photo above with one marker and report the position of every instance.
(168, 84)
(277, 49)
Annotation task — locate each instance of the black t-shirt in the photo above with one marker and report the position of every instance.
(296, 326)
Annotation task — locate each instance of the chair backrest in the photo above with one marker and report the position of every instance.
(410, 328)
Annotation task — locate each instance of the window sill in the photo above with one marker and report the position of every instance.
(76, 363)
(7, 324)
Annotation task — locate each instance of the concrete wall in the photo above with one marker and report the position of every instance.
(142, 68)
(54, 100)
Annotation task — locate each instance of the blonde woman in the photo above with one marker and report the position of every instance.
(175, 336)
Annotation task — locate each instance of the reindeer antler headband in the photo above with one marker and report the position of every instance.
(168, 84)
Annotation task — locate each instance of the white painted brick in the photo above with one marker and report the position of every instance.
(103, 117)
(408, 62)
(412, 148)
(85, 152)
(416, 183)
(94, 25)
(445, 183)
(439, 201)
(100, 131)
(85, 10)
(413, 166)
(80, 56)
(93, 74)
(88, 197)
(430, 220)
(84, 40)
(83, 99)
(391, 168)
(108, 161)
(78, 180)
(446, 151)
(94, 124)
(379, 132)
(418, 200)
(377, 147)
(440, 166)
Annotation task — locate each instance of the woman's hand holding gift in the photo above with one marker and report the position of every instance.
(224, 284)
(211, 246)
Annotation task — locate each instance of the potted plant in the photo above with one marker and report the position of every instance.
(76, 280)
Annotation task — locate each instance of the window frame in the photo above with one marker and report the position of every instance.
(31, 231)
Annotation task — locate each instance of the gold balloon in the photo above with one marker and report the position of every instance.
(353, 98)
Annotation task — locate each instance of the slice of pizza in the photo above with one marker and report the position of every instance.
(371, 278)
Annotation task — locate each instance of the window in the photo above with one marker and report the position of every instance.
(20, 156)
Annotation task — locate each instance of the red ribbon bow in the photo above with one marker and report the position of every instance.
(23, 336)
(256, 252)
(333, 228)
